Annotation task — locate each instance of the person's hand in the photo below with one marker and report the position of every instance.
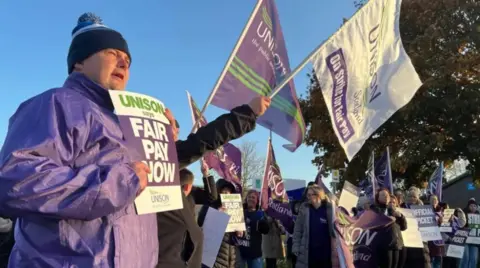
(204, 168)
(396, 214)
(173, 124)
(259, 105)
(142, 170)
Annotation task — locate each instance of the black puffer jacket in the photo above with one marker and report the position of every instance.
(227, 254)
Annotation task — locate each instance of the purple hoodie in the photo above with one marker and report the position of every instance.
(64, 171)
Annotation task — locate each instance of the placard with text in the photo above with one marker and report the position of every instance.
(474, 226)
(149, 138)
(427, 223)
(232, 203)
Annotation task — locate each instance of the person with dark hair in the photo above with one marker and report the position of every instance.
(415, 257)
(436, 248)
(180, 238)
(227, 254)
(390, 256)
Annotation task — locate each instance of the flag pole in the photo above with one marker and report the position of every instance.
(269, 143)
(390, 170)
(310, 56)
(229, 61)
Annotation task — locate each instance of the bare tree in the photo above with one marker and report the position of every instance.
(252, 164)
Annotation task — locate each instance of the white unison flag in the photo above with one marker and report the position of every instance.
(365, 73)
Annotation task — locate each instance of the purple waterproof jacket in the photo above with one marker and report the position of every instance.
(64, 172)
(65, 176)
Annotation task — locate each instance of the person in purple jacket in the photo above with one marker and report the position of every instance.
(66, 173)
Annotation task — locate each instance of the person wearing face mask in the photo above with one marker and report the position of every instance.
(383, 205)
(470, 253)
(416, 257)
(250, 244)
(314, 235)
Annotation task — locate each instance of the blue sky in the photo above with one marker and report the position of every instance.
(176, 46)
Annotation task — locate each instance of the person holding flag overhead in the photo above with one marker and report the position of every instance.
(258, 63)
(71, 183)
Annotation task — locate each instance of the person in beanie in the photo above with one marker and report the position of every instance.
(66, 174)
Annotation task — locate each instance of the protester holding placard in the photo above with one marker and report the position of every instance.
(402, 254)
(436, 248)
(416, 257)
(470, 254)
(227, 255)
(457, 221)
(314, 235)
(383, 206)
(77, 171)
(250, 244)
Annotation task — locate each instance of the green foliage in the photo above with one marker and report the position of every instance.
(441, 123)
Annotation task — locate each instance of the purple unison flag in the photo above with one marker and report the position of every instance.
(149, 137)
(383, 172)
(260, 63)
(370, 177)
(226, 160)
(360, 239)
(435, 183)
(274, 198)
(319, 182)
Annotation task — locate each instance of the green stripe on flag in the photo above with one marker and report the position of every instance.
(251, 80)
(289, 108)
(266, 18)
(254, 85)
(262, 83)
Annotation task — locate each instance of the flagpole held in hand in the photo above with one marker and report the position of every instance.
(229, 61)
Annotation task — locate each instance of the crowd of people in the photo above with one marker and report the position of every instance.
(68, 187)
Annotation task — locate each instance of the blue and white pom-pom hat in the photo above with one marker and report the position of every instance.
(91, 36)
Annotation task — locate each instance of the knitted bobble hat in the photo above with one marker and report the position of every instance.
(90, 36)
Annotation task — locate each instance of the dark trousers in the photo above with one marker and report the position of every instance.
(402, 258)
(271, 263)
(6, 244)
(293, 260)
(318, 264)
(389, 259)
